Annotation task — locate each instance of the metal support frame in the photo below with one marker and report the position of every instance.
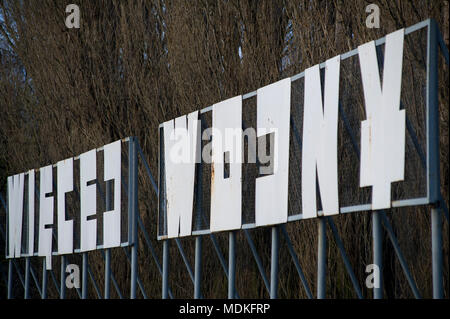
(257, 259)
(198, 267)
(10, 281)
(231, 264)
(44, 280)
(132, 210)
(377, 239)
(347, 264)
(138, 280)
(107, 273)
(296, 262)
(94, 282)
(27, 278)
(274, 264)
(433, 157)
(185, 260)
(62, 284)
(165, 270)
(84, 277)
(321, 258)
(436, 246)
(399, 253)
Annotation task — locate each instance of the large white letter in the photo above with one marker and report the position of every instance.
(226, 193)
(88, 200)
(112, 171)
(319, 150)
(46, 214)
(273, 116)
(31, 185)
(15, 213)
(383, 133)
(65, 185)
(180, 172)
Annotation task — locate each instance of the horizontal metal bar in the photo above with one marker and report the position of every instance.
(356, 208)
(343, 210)
(75, 251)
(296, 217)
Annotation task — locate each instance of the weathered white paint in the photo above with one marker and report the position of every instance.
(226, 193)
(383, 132)
(180, 154)
(273, 116)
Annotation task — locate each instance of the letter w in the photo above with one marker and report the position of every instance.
(15, 213)
(181, 152)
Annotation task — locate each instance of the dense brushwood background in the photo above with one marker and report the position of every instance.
(135, 64)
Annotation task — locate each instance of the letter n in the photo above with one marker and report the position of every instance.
(319, 153)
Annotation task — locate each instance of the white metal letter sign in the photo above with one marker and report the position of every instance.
(290, 137)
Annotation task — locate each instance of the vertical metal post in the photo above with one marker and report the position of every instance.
(377, 239)
(27, 278)
(107, 251)
(436, 246)
(433, 157)
(10, 269)
(274, 264)
(62, 284)
(231, 265)
(321, 259)
(198, 267)
(84, 277)
(165, 270)
(44, 280)
(107, 273)
(132, 205)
